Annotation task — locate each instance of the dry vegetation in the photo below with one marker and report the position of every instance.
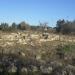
(36, 55)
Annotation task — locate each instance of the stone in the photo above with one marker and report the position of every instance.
(45, 69)
(12, 68)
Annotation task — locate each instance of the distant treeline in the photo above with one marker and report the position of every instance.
(65, 26)
(14, 26)
(62, 26)
(23, 26)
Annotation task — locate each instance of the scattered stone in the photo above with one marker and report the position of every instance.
(12, 68)
(46, 69)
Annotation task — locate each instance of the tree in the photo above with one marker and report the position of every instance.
(23, 26)
(4, 26)
(65, 27)
(43, 26)
(14, 26)
(59, 25)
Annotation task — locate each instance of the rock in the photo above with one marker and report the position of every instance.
(58, 71)
(55, 64)
(24, 69)
(34, 69)
(46, 69)
(12, 68)
(70, 70)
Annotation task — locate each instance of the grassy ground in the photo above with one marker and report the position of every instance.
(62, 52)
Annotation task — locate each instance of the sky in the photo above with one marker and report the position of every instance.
(35, 11)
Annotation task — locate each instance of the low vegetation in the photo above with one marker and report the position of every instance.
(37, 50)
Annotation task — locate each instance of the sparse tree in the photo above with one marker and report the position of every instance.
(4, 26)
(23, 26)
(14, 26)
(65, 27)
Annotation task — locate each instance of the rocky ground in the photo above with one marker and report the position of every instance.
(16, 65)
(30, 53)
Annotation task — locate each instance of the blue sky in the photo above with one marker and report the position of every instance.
(33, 11)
